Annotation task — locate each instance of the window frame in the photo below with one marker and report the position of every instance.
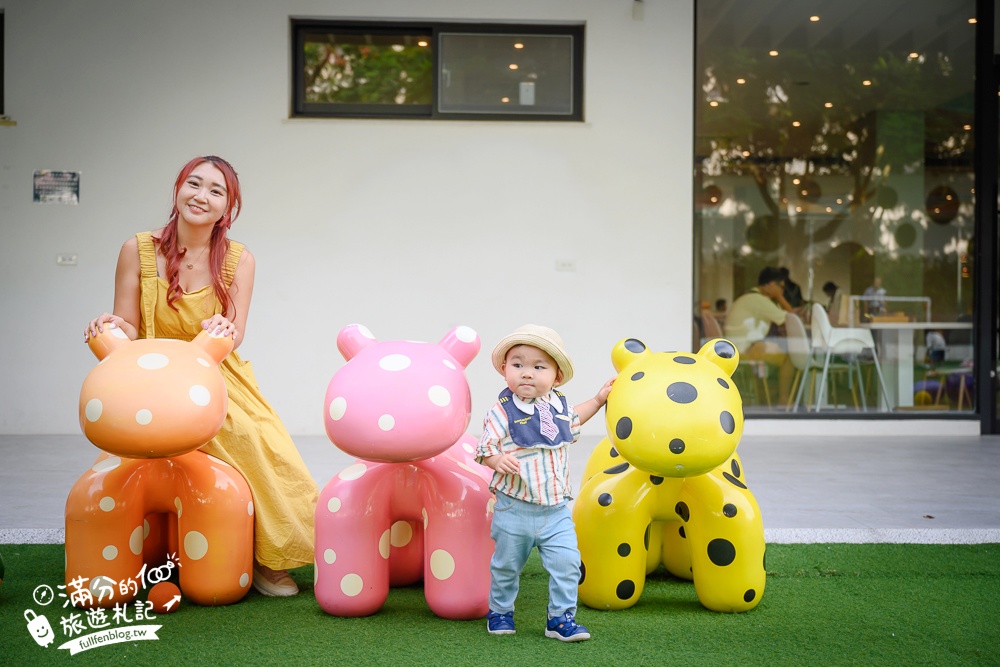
(301, 109)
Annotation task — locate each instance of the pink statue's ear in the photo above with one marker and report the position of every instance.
(462, 343)
(107, 341)
(352, 339)
(217, 347)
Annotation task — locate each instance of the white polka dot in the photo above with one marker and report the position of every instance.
(143, 417)
(329, 556)
(402, 533)
(244, 580)
(439, 396)
(250, 508)
(384, 544)
(338, 408)
(423, 513)
(135, 541)
(353, 472)
(450, 365)
(351, 585)
(204, 362)
(110, 552)
(179, 506)
(107, 503)
(200, 395)
(394, 362)
(94, 409)
(442, 564)
(118, 333)
(333, 504)
(386, 422)
(195, 545)
(107, 465)
(475, 473)
(152, 361)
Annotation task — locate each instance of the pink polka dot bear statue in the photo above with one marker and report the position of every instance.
(414, 505)
(152, 501)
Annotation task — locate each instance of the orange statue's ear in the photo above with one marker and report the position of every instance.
(217, 347)
(107, 341)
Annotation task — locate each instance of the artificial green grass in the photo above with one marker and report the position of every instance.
(825, 604)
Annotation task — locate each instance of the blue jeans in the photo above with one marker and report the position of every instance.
(517, 528)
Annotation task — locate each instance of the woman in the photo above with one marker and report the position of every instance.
(188, 276)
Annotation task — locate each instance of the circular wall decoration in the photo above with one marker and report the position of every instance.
(710, 195)
(905, 234)
(942, 204)
(763, 234)
(886, 197)
(808, 191)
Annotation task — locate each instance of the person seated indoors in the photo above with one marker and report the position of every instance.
(936, 347)
(834, 294)
(790, 289)
(755, 324)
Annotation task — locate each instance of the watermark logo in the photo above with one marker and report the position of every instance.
(84, 627)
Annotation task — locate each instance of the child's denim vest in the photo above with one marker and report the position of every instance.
(526, 430)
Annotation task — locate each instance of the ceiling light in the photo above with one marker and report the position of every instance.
(972, 20)
(796, 123)
(866, 82)
(914, 55)
(814, 18)
(828, 105)
(512, 65)
(772, 52)
(422, 43)
(713, 103)
(741, 81)
(518, 45)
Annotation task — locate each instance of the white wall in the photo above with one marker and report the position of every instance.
(408, 227)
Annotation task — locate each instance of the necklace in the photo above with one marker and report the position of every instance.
(190, 265)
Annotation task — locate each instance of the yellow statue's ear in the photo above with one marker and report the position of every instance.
(626, 351)
(722, 353)
(107, 341)
(217, 347)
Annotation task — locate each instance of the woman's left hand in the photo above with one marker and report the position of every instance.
(217, 324)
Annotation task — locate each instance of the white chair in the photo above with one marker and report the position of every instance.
(845, 342)
(807, 363)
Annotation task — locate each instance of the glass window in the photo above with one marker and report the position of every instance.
(437, 71)
(482, 73)
(840, 147)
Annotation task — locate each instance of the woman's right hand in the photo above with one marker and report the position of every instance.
(96, 325)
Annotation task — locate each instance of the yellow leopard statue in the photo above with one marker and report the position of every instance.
(667, 486)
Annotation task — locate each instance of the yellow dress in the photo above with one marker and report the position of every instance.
(252, 439)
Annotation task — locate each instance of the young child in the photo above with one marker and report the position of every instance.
(526, 438)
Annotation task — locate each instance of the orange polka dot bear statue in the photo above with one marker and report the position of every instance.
(152, 503)
(414, 505)
(667, 487)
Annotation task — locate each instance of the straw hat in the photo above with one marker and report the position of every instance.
(544, 339)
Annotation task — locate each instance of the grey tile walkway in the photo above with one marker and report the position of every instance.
(810, 489)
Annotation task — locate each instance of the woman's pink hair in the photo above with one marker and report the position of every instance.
(219, 244)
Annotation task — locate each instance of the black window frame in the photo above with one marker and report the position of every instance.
(301, 109)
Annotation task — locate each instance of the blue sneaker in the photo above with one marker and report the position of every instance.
(500, 624)
(566, 629)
